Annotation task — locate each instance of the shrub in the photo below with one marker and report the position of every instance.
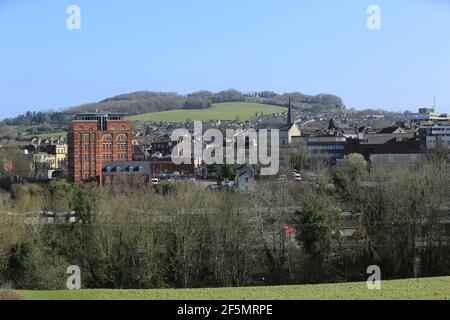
(9, 295)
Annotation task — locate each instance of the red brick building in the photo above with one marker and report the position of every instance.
(96, 137)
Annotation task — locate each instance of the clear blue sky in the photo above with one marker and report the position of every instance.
(183, 46)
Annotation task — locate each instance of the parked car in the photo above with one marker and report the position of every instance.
(155, 181)
(297, 177)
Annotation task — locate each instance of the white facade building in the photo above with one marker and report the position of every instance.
(427, 116)
(437, 135)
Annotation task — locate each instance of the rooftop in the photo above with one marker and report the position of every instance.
(103, 113)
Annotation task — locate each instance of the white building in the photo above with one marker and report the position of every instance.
(435, 135)
(428, 116)
(245, 178)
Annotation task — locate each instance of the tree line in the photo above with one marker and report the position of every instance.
(148, 101)
(184, 236)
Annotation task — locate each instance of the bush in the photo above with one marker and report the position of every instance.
(9, 295)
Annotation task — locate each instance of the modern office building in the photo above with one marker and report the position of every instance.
(93, 138)
(428, 116)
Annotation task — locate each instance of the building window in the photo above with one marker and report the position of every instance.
(122, 137)
(107, 137)
(123, 128)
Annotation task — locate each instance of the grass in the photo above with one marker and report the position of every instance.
(409, 289)
(219, 111)
(23, 131)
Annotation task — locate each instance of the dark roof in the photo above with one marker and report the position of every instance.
(125, 166)
(389, 129)
(279, 126)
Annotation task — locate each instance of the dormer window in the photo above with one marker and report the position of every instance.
(108, 169)
(140, 168)
(118, 169)
(131, 168)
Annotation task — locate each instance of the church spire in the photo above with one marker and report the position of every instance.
(290, 119)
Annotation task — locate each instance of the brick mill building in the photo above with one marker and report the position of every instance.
(94, 138)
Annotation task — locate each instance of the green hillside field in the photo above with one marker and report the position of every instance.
(409, 289)
(219, 111)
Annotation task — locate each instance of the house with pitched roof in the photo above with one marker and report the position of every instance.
(287, 130)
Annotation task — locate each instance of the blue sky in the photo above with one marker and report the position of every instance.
(183, 46)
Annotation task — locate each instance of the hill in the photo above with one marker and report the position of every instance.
(219, 111)
(417, 289)
(143, 102)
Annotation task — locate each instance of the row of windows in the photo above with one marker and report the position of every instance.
(113, 128)
(120, 156)
(107, 137)
(120, 146)
(326, 147)
(90, 128)
(87, 165)
(121, 137)
(86, 137)
(129, 169)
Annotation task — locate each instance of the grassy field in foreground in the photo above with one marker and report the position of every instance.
(428, 288)
(219, 111)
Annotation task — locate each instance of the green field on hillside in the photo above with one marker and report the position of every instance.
(428, 288)
(24, 131)
(219, 111)
(51, 134)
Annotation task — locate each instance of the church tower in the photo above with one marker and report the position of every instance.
(290, 119)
